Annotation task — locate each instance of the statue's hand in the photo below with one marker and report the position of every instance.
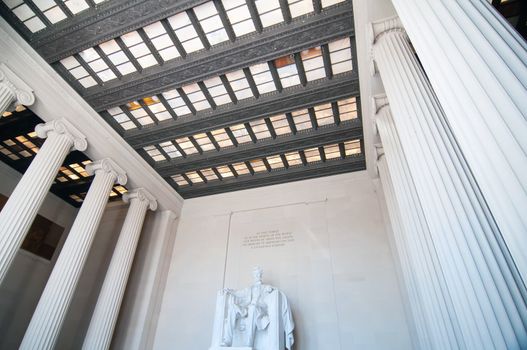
(227, 291)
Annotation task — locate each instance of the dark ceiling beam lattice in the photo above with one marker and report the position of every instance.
(318, 92)
(333, 167)
(102, 23)
(351, 130)
(278, 41)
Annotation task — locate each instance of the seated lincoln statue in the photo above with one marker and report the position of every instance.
(256, 318)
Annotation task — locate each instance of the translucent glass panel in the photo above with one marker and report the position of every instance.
(210, 22)
(300, 7)
(120, 117)
(139, 49)
(161, 41)
(286, 68)
(51, 11)
(270, 12)
(78, 72)
(260, 128)
(185, 32)
(217, 91)
(239, 16)
(328, 3)
(340, 55)
(117, 57)
(274, 162)
(139, 113)
(239, 84)
(263, 78)
(313, 63)
(176, 102)
(19, 147)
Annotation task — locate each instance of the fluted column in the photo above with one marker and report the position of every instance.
(104, 316)
(51, 309)
(433, 310)
(23, 204)
(477, 65)
(484, 291)
(13, 91)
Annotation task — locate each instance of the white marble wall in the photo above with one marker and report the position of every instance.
(339, 273)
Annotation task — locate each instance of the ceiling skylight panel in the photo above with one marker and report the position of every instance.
(155, 106)
(139, 113)
(186, 145)
(324, 114)
(161, 41)
(262, 78)
(328, 3)
(51, 10)
(180, 180)
(78, 72)
(170, 149)
(275, 162)
(352, 147)
(239, 84)
(194, 177)
(313, 63)
(280, 124)
(258, 165)
(332, 151)
(26, 15)
(239, 16)
(217, 91)
(139, 50)
(269, 11)
(340, 54)
(76, 6)
(210, 21)
(240, 133)
(97, 64)
(204, 142)
(196, 96)
(302, 120)
(293, 158)
(185, 32)
(287, 71)
(312, 155)
(119, 59)
(300, 7)
(209, 174)
(347, 109)
(260, 129)
(154, 153)
(176, 102)
(222, 138)
(241, 168)
(120, 117)
(225, 171)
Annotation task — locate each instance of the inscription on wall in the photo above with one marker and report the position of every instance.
(268, 239)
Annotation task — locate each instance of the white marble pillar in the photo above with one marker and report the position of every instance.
(13, 91)
(20, 210)
(53, 304)
(433, 309)
(477, 65)
(104, 316)
(485, 295)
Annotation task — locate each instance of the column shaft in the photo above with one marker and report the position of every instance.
(49, 315)
(477, 65)
(23, 204)
(104, 316)
(486, 297)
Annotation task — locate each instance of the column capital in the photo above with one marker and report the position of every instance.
(142, 195)
(379, 102)
(387, 25)
(62, 126)
(23, 93)
(109, 166)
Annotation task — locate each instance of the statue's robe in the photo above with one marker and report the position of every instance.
(261, 319)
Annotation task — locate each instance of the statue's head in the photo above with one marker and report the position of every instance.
(257, 274)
